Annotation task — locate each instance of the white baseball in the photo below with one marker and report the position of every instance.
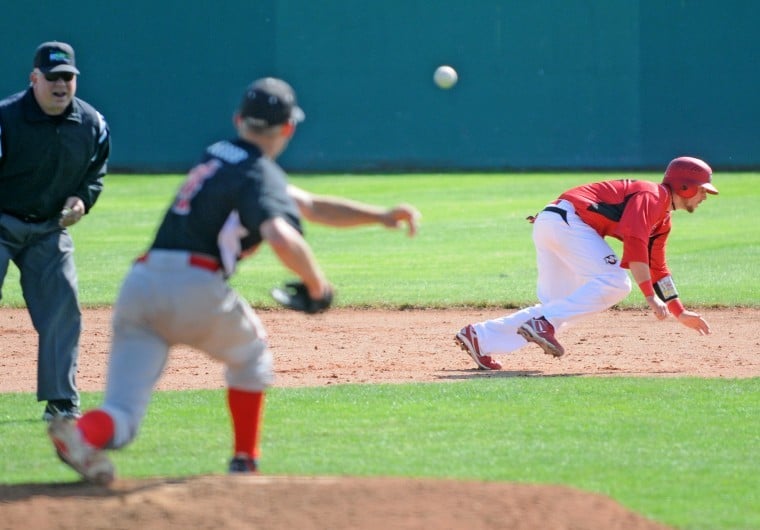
(445, 76)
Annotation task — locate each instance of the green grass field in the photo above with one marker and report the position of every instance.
(474, 247)
(682, 451)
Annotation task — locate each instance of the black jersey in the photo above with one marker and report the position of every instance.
(46, 159)
(233, 181)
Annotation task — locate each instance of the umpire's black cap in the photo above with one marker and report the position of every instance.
(268, 102)
(55, 57)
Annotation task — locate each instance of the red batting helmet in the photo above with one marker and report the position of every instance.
(685, 175)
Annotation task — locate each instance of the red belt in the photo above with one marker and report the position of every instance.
(194, 260)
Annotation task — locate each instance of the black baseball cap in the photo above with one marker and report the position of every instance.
(55, 57)
(269, 102)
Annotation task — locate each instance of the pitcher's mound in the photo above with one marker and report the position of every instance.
(336, 503)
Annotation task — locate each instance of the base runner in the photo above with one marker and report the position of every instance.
(578, 272)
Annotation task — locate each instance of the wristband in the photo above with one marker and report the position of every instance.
(647, 288)
(676, 307)
(666, 289)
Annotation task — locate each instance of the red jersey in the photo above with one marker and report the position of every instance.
(633, 211)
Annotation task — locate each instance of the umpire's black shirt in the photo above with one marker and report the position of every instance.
(45, 159)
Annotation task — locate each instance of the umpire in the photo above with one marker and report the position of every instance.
(54, 149)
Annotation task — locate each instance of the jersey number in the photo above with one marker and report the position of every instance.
(193, 185)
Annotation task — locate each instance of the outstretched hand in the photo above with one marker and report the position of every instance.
(658, 307)
(694, 321)
(403, 213)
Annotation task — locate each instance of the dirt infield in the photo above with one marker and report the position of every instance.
(370, 346)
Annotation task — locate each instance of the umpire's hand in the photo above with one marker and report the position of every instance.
(72, 212)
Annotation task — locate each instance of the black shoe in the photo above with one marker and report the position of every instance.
(61, 407)
(243, 465)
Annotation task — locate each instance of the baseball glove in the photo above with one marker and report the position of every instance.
(295, 295)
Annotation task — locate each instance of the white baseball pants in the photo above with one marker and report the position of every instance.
(578, 274)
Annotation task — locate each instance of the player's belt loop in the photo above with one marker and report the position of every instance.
(562, 213)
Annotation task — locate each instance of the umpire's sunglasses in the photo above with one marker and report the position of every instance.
(55, 76)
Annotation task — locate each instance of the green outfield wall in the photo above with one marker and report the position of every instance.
(544, 84)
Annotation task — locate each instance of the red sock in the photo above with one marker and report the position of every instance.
(246, 409)
(96, 427)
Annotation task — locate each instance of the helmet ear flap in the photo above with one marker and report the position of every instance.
(687, 191)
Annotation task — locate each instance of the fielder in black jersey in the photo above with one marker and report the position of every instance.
(235, 199)
(54, 149)
(234, 188)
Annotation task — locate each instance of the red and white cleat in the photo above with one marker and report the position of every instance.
(88, 461)
(468, 341)
(541, 332)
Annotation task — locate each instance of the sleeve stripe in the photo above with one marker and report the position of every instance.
(102, 128)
